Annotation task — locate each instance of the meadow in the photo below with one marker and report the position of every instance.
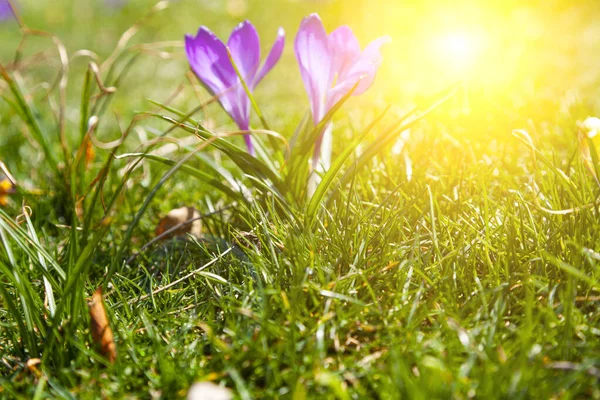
(450, 247)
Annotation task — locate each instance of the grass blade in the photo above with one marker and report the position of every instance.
(335, 169)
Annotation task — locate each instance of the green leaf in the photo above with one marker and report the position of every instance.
(300, 152)
(385, 139)
(195, 172)
(31, 247)
(571, 270)
(336, 167)
(27, 113)
(246, 162)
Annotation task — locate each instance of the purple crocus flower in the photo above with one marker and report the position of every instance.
(331, 65)
(5, 10)
(210, 62)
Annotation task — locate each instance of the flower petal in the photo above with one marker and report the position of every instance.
(362, 71)
(209, 61)
(237, 105)
(272, 58)
(344, 48)
(208, 58)
(372, 52)
(367, 65)
(312, 52)
(5, 10)
(244, 45)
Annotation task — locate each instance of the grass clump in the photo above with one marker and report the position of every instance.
(451, 251)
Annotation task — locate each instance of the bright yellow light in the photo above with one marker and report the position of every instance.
(459, 51)
(459, 45)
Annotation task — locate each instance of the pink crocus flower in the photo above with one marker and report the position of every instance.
(209, 60)
(331, 65)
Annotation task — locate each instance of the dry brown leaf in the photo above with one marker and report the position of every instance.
(90, 153)
(101, 332)
(6, 188)
(31, 366)
(8, 184)
(248, 239)
(177, 219)
(208, 391)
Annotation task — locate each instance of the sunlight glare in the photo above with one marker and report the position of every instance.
(458, 50)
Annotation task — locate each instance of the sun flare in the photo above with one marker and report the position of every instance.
(458, 50)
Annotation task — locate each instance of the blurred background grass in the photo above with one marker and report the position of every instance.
(515, 54)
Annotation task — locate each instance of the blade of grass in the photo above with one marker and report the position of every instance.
(144, 206)
(330, 175)
(195, 172)
(417, 114)
(29, 118)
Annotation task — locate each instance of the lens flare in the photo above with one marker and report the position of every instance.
(458, 50)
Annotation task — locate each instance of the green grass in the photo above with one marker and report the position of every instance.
(465, 265)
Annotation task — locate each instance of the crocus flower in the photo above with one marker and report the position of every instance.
(210, 62)
(5, 10)
(331, 65)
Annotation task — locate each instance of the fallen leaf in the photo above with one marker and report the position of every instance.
(248, 239)
(7, 184)
(6, 188)
(90, 153)
(31, 366)
(208, 391)
(101, 332)
(182, 220)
